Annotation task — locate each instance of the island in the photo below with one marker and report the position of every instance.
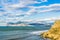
(54, 32)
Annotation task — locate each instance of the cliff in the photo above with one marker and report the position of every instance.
(54, 32)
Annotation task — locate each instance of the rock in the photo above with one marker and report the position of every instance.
(54, 32)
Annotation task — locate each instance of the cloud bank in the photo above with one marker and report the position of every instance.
(12, 11)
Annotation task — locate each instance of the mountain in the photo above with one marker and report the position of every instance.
(25, 23)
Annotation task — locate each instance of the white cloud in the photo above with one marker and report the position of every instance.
(50, 19)
(44, 0)
(23, 3)
(41, 9)
(11, 13)
(44, 9)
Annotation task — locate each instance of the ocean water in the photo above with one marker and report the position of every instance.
(22, 33)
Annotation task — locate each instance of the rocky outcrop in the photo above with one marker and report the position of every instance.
(54, 32)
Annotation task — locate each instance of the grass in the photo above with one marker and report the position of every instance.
(54, 32)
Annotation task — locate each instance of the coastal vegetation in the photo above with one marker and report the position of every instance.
(54, 32)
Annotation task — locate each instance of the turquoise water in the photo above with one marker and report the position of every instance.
(22, 33)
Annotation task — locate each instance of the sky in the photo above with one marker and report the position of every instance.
(28, 10)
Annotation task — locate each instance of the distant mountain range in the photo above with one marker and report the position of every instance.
(21, 23)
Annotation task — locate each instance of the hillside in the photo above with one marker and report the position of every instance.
(54, 32)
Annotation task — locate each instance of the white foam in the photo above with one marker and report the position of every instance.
(38, 32)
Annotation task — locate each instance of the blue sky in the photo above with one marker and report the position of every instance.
(29, 10)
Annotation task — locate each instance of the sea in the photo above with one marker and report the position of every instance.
(22, 32)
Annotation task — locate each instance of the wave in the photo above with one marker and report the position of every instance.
(38, 32)
(30, 36)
